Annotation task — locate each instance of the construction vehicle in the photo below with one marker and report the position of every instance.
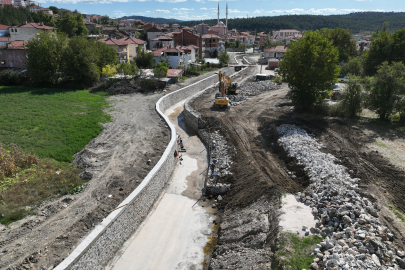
(220, 98)
(230, 87)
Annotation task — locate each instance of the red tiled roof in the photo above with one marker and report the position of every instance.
(174, 50)
(159, 52)
(4, 39)
(280, 49)
(14, 45)
(4, 27)
(35, 25)
(133, 40)
(111, 41)
(174, 73)
(92, 23)
(288, 30)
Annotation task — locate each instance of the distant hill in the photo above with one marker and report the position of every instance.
(356, 22)
(150, 19)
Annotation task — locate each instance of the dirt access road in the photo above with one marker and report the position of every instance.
(259, 174)
(117, 161)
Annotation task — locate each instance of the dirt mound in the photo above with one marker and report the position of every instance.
(123, 87)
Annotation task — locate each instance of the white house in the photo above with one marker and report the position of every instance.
(27, 31)
(275, 52)
(154, 32)
(175, 57)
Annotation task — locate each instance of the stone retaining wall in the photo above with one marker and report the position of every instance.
(106, 239)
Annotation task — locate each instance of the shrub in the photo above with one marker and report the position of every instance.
(352, 98)
(109, 70)
(10, 77)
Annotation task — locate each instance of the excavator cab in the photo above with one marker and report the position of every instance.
(233, 88)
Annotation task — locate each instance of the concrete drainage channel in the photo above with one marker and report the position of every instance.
(100, 246)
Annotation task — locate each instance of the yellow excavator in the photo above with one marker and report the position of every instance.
(220, 98)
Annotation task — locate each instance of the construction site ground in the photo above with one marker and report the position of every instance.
(260, 171)
(117, 161)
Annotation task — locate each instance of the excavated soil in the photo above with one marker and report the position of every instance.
(260, 166)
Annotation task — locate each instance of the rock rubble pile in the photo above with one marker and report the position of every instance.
(249, 89)
(222, 162)
(353, 235)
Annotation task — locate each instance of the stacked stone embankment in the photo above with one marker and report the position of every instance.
(249, 89)
(353, 236)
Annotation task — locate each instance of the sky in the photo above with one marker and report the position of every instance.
(207, 9)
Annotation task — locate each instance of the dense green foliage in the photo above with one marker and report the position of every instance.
(310, 69)
(52, 123)
(356, 22)
(44, 57)
(72, 25)
(161, 69)
(10, 77)
(385, 47)
(385, 88)
(51, 58)
(352, 98)
(342, 39)
(144, 59)
(224, 58)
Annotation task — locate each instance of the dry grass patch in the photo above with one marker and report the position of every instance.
(26, 181)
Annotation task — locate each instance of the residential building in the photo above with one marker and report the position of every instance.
(202, 28)
(126, 23)
(154, 32)
(121, 46)
(27, 31)
(4, 30)
(160, 42)
(175, 57)
(275, 52)
(6, 2)
(174, 74)
(134, 45)
(38, 8)
(210, 43)
(185, 38)
(90, 26)
(13, 54)
(4, 40)
(286, 33)
(22, 3)
(220, 29)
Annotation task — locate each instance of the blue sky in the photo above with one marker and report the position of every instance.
(207, 9)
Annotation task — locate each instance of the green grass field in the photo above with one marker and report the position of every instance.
(53, 123)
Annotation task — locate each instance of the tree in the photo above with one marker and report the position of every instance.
(310, 69)
(385, 89)
(224, 58)
(268, 41)
(144, 60)
(354, 67)
(44, 56)
(127, 69)
(54, 9)
(105, 20)
(227, 45)
(72, 25)
(215, 54)
(352, 97)
(161, 69)
(105, 54)
(343, 40)
(80, 60)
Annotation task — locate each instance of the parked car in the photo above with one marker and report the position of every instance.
(344, 79)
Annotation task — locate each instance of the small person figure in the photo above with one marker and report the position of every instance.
(175, 153)
(212, 168)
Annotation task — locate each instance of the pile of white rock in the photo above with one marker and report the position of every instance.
(353, 235)
(223, 163)
(249, 89)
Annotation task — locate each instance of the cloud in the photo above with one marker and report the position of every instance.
(320, 11)
(90, 1)
(234, 11)
(171, 1)
(162, 11)
(203, 8)
(183, 9)
(257, 11)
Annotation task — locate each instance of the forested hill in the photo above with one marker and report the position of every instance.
(356, 22)
(150, 19)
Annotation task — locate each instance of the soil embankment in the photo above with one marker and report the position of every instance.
(260, 173)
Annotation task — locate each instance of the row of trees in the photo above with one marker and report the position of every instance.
(54, 57)
(312, 64)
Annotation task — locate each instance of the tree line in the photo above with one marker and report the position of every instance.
(356, 22)
(376, 77)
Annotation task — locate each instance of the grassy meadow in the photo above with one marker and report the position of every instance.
(40, 131)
